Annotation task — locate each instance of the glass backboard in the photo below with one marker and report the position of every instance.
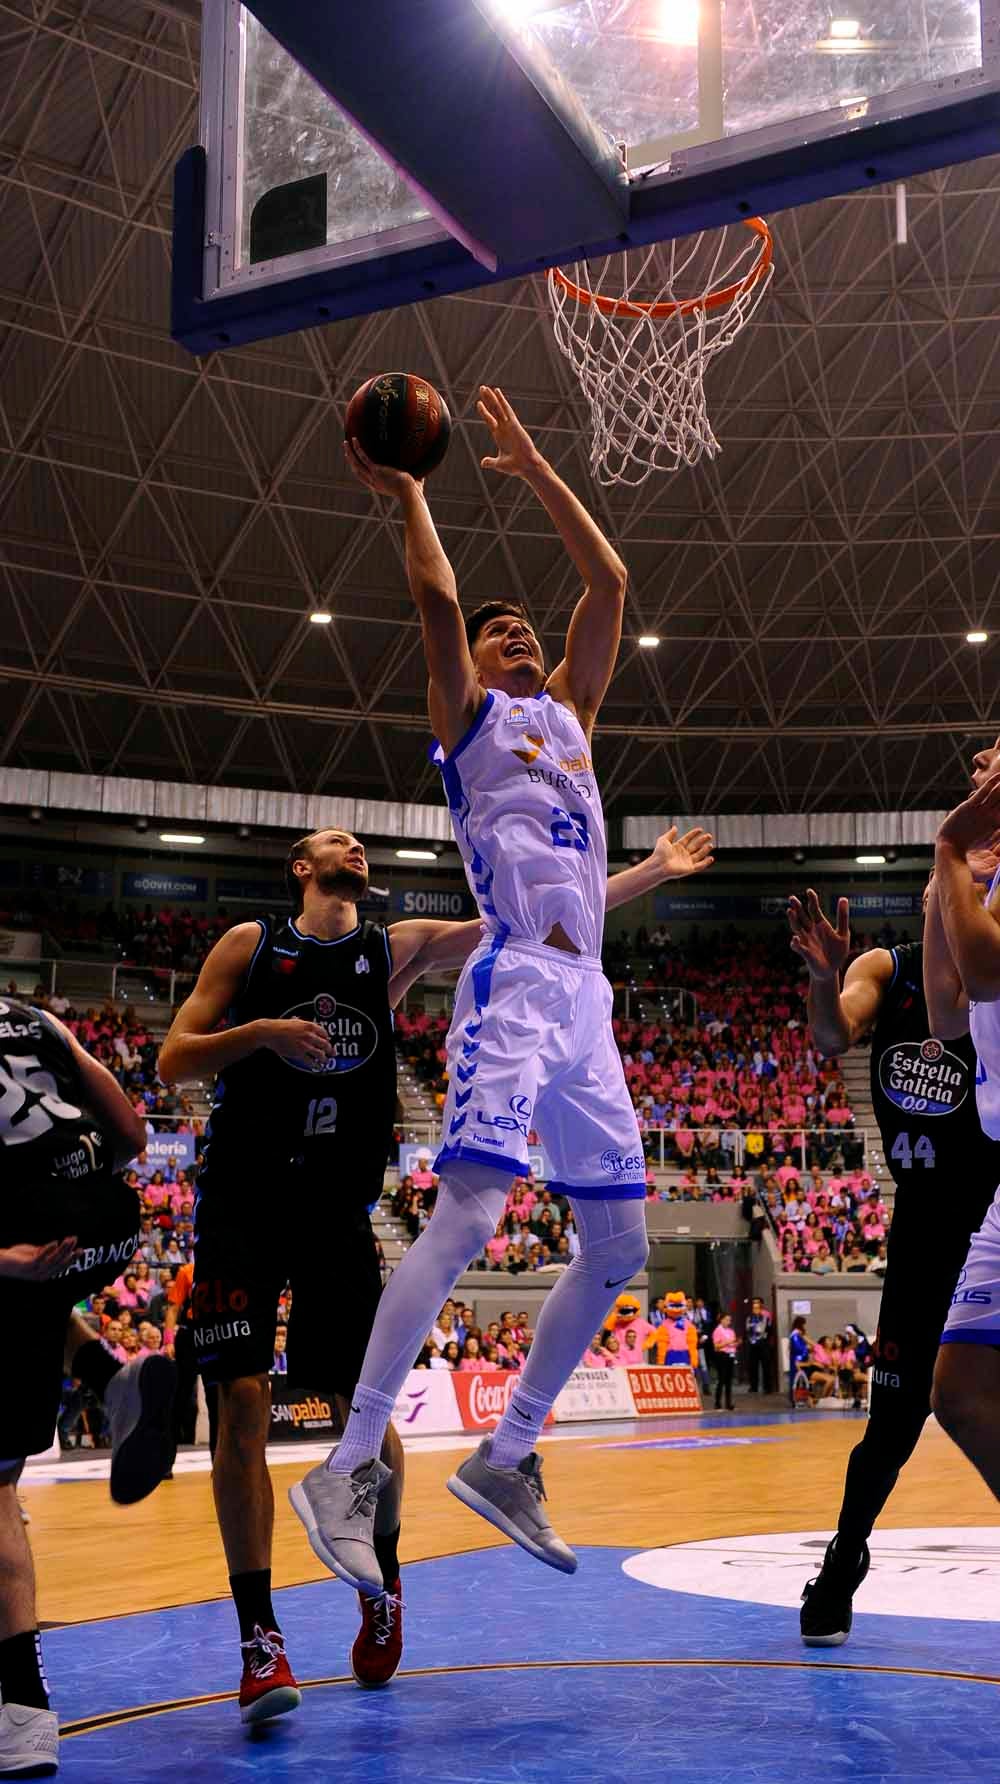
(658, 74)
(293, 187)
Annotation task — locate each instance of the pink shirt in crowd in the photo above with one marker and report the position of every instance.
(725, 1339)
(591, 1360)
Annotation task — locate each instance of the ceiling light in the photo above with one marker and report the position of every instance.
(976, 637)
(845, 29)
(320, 617)
(648, 642)
(518, 12)
(415, 855)
(870, 860)
(678, 23)
(180, 836)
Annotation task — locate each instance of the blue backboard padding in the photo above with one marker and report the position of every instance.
(490, 135)
(868, 156)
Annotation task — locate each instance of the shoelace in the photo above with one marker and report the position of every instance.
(534, 1480)
(365, 1497)
(384, 1609)
(270, 1649)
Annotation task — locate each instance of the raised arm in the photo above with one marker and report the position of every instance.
(595, 630)
(425, 946)
(947, 1001)
(454, 695)
(672, 858)
(193, 1050)
(838, 1018)
(971, 930)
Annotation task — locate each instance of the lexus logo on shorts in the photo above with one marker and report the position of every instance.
(352, 1034)
(520, 1105)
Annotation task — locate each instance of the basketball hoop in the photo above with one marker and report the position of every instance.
(641, 358)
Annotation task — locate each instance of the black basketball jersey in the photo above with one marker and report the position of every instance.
(342, 1115)
(46, 1130)
(924, 1092)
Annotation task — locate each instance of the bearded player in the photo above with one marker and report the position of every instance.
(923, 1071)
(530, 1045)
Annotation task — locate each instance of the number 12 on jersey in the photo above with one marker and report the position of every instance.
(321, 1116)
(909, 1156)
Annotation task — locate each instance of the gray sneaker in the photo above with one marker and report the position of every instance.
(139, 1402)
(512, 1500)
(29, 1741)
(338, 1511)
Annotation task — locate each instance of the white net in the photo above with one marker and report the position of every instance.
(640, 328)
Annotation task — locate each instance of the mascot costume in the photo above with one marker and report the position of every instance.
(674, 1343)
(626, 1316)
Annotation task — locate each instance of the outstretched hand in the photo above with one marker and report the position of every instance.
(823, 948)
(383, 480)
(515, 452)
(679, 856)
(975, 823)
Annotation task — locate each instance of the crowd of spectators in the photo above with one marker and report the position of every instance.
(168, 939)
(457, 1343)
(825, 1223)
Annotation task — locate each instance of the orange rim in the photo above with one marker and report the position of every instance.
(712, 300)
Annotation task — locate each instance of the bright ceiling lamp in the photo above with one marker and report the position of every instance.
(845, 29)
(976, 637)
(415, 855)
(870, 860)
(648, 641)
(182, 837)
(677, 23)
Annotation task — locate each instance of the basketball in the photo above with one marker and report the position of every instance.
(401, 421)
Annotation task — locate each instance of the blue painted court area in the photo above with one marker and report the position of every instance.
(512, 1674)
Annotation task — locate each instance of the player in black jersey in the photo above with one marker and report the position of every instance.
(923, 1093)
(298, 1143)
(68, 1224)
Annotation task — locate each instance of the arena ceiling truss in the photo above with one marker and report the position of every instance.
(167, 525)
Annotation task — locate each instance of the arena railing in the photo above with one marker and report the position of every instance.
(94, 982)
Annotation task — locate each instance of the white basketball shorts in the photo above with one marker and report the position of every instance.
(531, 1047)
(975, 1305)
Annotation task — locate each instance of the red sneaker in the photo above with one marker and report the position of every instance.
(267, 1687)
(378, 1647)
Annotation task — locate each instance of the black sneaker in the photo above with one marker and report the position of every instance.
(826, 1614)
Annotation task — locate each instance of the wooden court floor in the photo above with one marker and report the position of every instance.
(96, 1560)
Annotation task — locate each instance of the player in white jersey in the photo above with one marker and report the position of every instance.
(966, 1395)
(530, 1045)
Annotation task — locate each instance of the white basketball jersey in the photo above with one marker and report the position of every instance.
(528, 820)
(984, 1027)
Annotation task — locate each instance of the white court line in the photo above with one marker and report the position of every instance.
(78, 1465)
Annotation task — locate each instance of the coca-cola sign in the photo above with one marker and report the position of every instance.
(483, 1397)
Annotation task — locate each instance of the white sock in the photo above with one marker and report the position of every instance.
(613, 1248)
(520, 1428)
(364, 1433)
(470, 1201)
